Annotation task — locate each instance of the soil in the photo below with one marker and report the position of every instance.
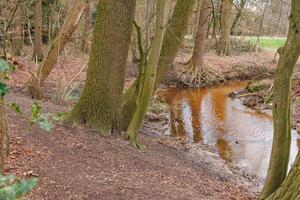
(75, 162)
(78, 163)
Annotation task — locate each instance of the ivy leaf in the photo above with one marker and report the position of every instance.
(35, 111)
(46, 125)
(16, 108)
(3, 89)
(4, 66)
(59, 116)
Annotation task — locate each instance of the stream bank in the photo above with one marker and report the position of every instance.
(74, 162)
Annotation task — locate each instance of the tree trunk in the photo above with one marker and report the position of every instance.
(174, 36)
(290, 188)
(87, 28)
(4, 140)
(238, 16)
(100, 102)
(69, 26)
(38, 51)
(17, 36)
(148, 78)
(200, 40)
(224, 43)
(289, 55)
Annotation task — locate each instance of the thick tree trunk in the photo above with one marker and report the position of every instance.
(200, 40)
(289, 55)
(69, 26)
(174, 36)
(148, 79)
(290, 188)
(100, 102)
(38, 51)
(226, 20)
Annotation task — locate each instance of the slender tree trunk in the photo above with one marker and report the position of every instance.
(48, 63)
(87, 28)
(38, 51)
(174, 36)
(4, 140)
(148, 79)
(226, 20)
(200, 41)
(100, 102)
(238, 16)
(17, 36)
(278, 167)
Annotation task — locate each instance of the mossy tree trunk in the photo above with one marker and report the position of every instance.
(226, 21)
(148, 78)
(4, 139)
(38, 50)
(290, 188)
(100, 103)
(175, 32)
(278, 167)
(48, 63)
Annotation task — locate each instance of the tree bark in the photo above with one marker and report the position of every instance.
(148, 78)
(4, 139)
(174, 36)
(17, 34)
(224, 43)
(279, 160)
(200, 40)
(87, 28)
(238, 16)
(38, 50)
(69, 26)
(100, 103)
(289, 189)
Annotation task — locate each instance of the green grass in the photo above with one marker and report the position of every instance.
(269, 42)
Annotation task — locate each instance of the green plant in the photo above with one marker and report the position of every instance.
(12, 189)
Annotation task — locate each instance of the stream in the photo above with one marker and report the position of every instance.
(240, 135)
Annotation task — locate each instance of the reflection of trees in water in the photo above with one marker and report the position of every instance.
(177, 123)
(218, 103)
(195, 97)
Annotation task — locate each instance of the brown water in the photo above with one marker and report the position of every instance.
(241, 136)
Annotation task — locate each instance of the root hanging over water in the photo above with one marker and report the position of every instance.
(200, 76)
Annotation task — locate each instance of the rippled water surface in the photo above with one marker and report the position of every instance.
(241, 136)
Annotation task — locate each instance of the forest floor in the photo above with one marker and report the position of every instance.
(75, 162)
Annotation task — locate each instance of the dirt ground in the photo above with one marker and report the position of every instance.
(78, 163)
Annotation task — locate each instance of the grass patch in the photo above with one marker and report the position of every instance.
(268, 42)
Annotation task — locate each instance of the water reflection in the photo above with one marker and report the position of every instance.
(240, 135)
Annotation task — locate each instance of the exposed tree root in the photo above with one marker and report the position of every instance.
(133, 139)
(199, 76)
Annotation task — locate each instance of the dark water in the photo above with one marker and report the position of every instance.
(241, 136)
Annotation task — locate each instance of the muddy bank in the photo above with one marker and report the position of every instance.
(258, 95)
(246, 66)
